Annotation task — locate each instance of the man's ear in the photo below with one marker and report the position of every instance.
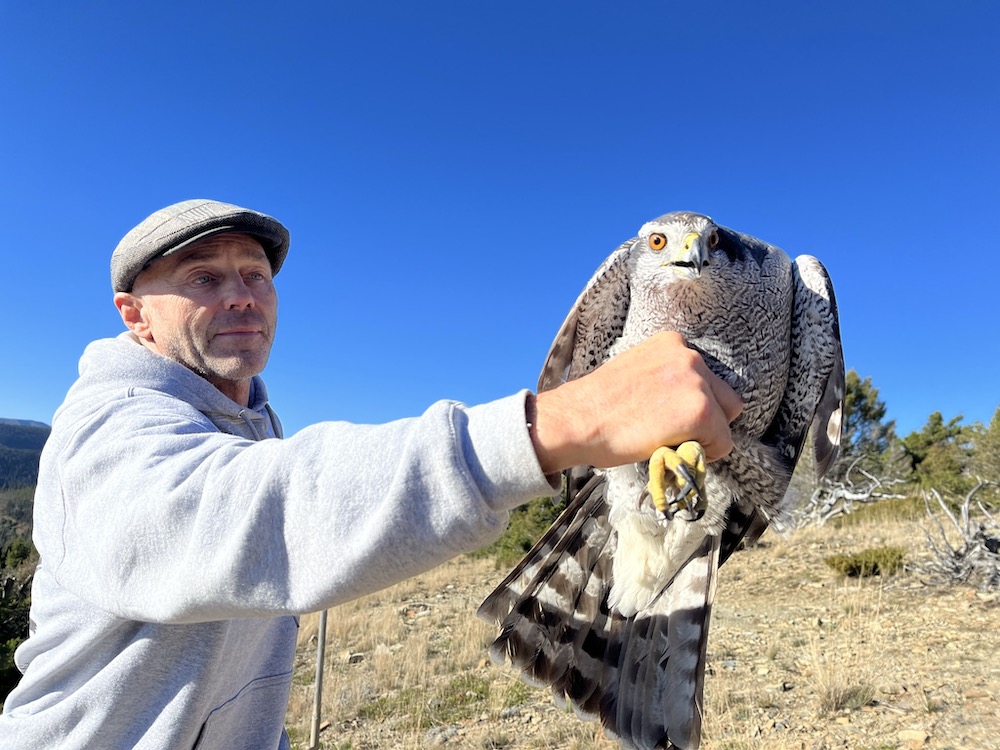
(130, 307)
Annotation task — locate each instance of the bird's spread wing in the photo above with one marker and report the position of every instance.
(593, 324)
(816, 320)
(815, 392)
(584, 340)
(814, 395)
(567, 571)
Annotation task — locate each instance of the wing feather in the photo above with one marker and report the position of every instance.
(568, 570)
(815, 393)
(593, 324)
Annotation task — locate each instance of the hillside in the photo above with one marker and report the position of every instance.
(799, 659)
(22, 422)
(20, 447)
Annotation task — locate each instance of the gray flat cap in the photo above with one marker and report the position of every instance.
(175, 227)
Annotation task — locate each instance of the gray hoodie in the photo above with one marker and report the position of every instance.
(179, 539)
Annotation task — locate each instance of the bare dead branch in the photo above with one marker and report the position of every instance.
(831, 499)
(974, 559)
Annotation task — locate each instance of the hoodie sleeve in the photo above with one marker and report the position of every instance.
(162, 518)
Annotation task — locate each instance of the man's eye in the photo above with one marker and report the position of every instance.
(202, 280)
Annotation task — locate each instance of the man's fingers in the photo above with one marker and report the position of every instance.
(728, 399)
(719, 447)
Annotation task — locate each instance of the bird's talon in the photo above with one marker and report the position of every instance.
(682, 471)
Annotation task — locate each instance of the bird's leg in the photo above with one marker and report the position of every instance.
(682, 471)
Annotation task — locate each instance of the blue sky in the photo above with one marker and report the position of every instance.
(453, 172)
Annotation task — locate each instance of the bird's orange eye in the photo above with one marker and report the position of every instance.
(713, 240)
(657, 242)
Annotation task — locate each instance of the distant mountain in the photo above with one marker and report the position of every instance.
(22, 422)
(21, 444)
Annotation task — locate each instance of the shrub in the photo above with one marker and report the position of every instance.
(527, 524)
(880, 561)
(889, 510)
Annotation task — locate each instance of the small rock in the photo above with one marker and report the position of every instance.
(913, 738)
(440, 736)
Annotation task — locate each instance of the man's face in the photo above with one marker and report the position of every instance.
(212, 307)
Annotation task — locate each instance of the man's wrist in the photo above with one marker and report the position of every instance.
(552, 434)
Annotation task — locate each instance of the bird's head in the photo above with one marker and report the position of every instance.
(676, 246)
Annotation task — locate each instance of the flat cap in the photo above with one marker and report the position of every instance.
(175, 227)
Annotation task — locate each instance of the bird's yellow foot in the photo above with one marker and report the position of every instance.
(682, 471)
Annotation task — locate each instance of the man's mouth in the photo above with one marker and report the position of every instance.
(247, 326)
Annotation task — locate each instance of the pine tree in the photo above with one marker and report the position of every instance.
(940, 455)
(985, 464)
(868, 437)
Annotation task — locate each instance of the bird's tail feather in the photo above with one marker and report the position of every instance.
(643, 676)
(655, 697)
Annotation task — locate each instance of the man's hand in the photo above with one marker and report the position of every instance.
(657, 393)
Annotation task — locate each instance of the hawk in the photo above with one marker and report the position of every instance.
(611, 607)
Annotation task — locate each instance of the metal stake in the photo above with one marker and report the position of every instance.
(318, 698)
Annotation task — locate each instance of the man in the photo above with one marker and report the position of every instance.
(179, 539)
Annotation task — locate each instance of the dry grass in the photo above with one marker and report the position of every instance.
(399, 658)
(799, 657)
(831, 653)
(847, 676)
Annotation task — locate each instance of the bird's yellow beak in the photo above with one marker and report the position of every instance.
(690, 256)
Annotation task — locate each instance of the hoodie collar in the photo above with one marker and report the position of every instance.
(124, 361)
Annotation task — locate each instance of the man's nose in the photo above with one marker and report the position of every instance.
(236, 294)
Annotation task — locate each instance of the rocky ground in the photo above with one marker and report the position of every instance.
(799, 658)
